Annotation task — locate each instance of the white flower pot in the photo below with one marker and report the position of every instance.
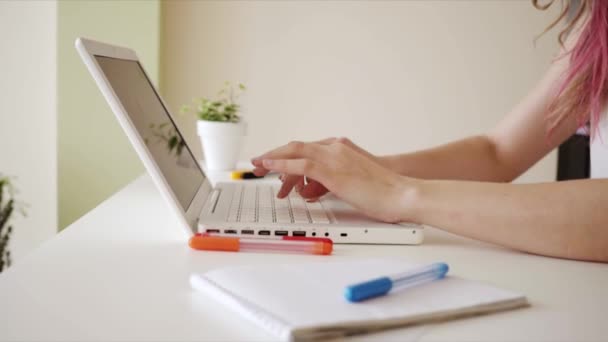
(221, 142)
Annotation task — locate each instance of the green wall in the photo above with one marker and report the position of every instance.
(94, 156)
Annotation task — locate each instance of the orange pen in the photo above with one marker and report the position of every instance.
(293, 244)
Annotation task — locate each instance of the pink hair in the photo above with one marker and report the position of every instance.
(584, 87)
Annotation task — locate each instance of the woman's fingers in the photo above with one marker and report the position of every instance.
(289, 181)
(315, 152)
(299, 184)
(341, 167)
(299, 167)
(293, 150)
(313, 190)
(310, 190)
(260, 171)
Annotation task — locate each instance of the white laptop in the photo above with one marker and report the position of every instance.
(246, 208)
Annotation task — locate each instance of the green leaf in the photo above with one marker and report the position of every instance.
(185, 109)
(172, 142)
(224, 108)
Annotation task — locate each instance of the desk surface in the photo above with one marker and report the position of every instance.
(121, 273)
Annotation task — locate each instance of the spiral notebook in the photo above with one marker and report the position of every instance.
(304, 302)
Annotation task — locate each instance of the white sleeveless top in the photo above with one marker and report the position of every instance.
(599, 149)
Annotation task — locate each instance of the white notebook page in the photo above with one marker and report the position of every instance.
(311, 294)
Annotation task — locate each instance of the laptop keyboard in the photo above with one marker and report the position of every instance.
(258, 203)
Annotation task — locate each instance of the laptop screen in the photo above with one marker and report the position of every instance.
(155, 126)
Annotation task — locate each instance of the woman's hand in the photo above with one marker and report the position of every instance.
(311, 189)
(353, 176)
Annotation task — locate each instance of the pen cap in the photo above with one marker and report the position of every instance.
(441, 269)
(369, 289)
(323, 248)
(214, 243)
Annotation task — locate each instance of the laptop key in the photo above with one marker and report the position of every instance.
(317, 212)
(283, 217)
(265, 212)
(265, 215)
(282, 212)
(298, 209)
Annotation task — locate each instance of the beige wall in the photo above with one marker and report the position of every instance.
(95, 157)
(394, 76)
(28, 117)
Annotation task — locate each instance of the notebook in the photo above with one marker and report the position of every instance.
(304, 302)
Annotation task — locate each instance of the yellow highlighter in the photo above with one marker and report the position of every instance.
(244, 175)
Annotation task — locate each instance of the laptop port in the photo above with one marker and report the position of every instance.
(280, 232)
(299, 233)
(344, 234)
(264, 232)
(229, 231)
(212, 230)
(247, 231)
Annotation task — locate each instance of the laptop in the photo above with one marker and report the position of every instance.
(246, 208)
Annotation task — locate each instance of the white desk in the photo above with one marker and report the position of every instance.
(121, 273)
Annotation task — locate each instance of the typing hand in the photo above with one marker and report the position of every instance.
(354, 176)
(309, 188)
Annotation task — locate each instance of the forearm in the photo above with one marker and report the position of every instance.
(564, 219)
(473, 158)
(507, 150)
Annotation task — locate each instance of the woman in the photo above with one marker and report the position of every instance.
(463, 187)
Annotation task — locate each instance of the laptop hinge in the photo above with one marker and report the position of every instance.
(212, 200)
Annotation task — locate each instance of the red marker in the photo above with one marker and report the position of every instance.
(294, 244)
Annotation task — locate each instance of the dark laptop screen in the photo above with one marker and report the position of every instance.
(155, 126)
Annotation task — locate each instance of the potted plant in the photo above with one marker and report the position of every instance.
(220, 127)
(7, 207)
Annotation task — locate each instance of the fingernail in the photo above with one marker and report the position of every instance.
(281, 194)
(267, 162)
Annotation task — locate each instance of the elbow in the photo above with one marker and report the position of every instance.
(503, 170)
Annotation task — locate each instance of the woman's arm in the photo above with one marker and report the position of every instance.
(507, 151)
(511, 148)
(560, 219)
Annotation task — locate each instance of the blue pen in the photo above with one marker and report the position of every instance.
(381, 286)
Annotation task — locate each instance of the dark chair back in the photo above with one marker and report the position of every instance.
(573, 159)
